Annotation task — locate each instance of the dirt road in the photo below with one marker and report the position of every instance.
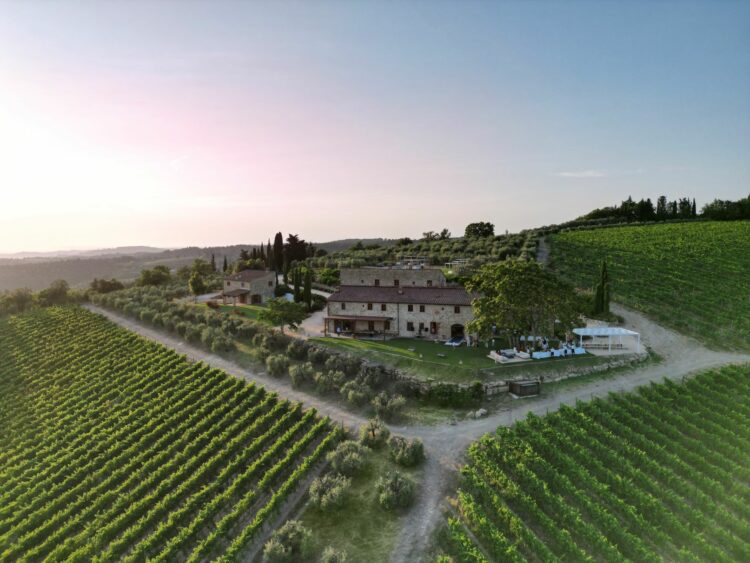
(446, 444)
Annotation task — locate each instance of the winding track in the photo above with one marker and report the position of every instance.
(446, 445)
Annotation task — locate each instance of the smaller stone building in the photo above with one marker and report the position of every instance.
(249, 286)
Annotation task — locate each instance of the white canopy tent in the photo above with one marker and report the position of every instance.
(609, 332)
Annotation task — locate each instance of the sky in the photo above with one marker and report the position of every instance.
(184, 123)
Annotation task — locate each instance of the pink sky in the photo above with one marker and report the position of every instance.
(207, 123)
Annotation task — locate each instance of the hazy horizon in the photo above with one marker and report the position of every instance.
(173, 124)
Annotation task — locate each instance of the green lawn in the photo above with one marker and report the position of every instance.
(361, 527)
(249, 311)
(463, 364)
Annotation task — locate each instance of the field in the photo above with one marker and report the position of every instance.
(249, 311)
(659, 474)
(692, 277)
(114, 447)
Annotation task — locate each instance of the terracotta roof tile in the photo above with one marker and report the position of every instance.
(415, 295)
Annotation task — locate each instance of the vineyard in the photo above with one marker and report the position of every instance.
(113, 447)
(659, 474)
(690, 276)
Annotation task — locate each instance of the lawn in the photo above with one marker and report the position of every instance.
(361, 528)
(692, 277)
(461, 365)
(249, 311)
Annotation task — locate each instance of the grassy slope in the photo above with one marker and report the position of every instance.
(693, 277)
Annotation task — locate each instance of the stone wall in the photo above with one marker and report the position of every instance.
(386, 277)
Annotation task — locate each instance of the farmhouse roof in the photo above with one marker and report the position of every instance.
(248, 275)
(235, 292)
(407, 294)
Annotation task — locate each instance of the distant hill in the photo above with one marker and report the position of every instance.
(118, 251)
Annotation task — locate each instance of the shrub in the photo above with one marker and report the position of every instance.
(260, 353)
(375, 375)
(395, 491)
(317, 356)
(388, 406)
(290, 543)
(348, 457)
(356, 393)
(212, 305)
(373, 434)
(297, 350)
(281, 290)
(277, 365)
(329, 491)
(331, 555)
(406, 452)
(301, 373)
(328, 381)
(345, 363)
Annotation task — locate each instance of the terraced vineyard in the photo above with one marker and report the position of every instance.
(659, 474)
(690, 276)
(116, 448)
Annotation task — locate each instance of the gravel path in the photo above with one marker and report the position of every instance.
(445, 444)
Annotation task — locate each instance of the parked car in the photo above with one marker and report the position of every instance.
(457, 341)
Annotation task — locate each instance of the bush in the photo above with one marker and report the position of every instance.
(297, 350)
(260, 353)
(373, 434)
(375, 375)
(348, 457)
(356, 393)
(395, 491)
(277, 365)
(290, 543)
(281, 290)
(317, 356)
(301, 373)
(388, 406)
(331, 555)
(406, 452)
(330, 491)
(329, 381)
(345, 363)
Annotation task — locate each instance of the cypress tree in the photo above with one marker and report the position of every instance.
(225, 266)
(297, 289)
(308, 288)
(213, 263)
(694, 211)
(278, 252)
(602, 294)
(262, 252)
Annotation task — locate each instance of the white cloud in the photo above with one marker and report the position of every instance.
(582, 174)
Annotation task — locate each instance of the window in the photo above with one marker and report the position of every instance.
(229, 283)
(456, 309)
(410, 326)
(371, 326)
(410, 308)
(343, 306)
(421, 308)
(429, 283)
(377, 283)
(387, 325)
(369, 306)
(421, 327)
(242, 284)
(270, 283)
(395, 283)
(382, 306)
(433, 328)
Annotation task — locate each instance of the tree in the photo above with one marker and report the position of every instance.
(290, 543)
(406, 452)
(158, 275)
(106, 286)
(225, 266)
(329, 491)
(280, 312)
(693, 210)
(661, 208)
(395, 491)
(20, 299)
(374, 433)
(602, 292)
(213, 263)
(429, 236)
(481, 229)
(296, 283)
(348, 458)
(197, 284)
(522, 297)
(445, 234)
(55, 294)
(202, 267)
(307, 292)
(244, 254)
(278, 252)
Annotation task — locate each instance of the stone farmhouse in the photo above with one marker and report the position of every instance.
(389, 302)
(249, 286)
